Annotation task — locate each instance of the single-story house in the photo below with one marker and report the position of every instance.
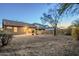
(17, 27)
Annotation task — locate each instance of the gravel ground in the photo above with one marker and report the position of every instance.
(41, 45)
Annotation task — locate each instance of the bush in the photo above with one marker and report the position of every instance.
(75, 33)
(5, 37)
(68, 31)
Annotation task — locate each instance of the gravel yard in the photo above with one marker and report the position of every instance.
(41, 45)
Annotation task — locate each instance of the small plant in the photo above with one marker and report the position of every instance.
(5, 37)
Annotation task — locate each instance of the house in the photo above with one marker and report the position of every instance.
(17, 27)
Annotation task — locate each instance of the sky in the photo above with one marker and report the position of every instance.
(28, 12)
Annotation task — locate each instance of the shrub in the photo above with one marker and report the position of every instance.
(5, 37)
(75, 33)
(68, 31)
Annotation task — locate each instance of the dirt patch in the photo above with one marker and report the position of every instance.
(41, 45)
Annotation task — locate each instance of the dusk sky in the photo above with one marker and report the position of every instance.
(29, 13)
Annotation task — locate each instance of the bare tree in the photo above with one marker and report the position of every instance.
(52, 17)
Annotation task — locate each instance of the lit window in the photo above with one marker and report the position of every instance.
(15, 29)
(25, 28)
(9, 27)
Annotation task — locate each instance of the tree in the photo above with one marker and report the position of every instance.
(71, 9)
(52, 17)
(66, 8)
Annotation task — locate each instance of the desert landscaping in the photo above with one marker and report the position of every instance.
(40, 45)
(39, 29)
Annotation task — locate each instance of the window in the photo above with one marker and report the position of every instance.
(15, 29)
(25, 29)
(9, 27)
